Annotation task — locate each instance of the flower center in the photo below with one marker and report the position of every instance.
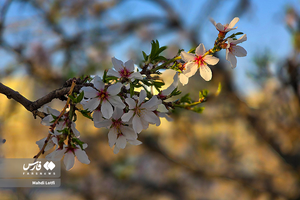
(125, 73)
(199, 60)
(103, 95)
(116, 123)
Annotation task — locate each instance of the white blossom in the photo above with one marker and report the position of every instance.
(227, 27)
(233, 50)
(200, 60)
(103, 97)
(123, 70)
(69, 154)
(141, 112)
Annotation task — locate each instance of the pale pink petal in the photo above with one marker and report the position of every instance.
(136, 75)
(112, 136)
(113, 73)
(106, 109)
(89, 92)
(220, 27)
(232, 59)
(49, 110)
(116, 101)
(104, 123)
(114, 89)
(134, 142)
(57, 154)
(191, 68)
(172, 87)
(187, 56)
(118, 64)
(205, 72)
(211, 60)
(128, 132)
(97, 116)
(183, 79)
(150, 117)
(137, 124)
(121, 142)
(212, 21)
(118, 112)
(129, 65)
(238, 51)
(98, 83)
(243, 38)
(69, 160)
(153, 102)
(127, 116)
(233, 22)
(91, 104)
(131, 103)
(75, 131)
(82, 156)
(200, 50)
(47, 120)
(116, 150)
(142, 97)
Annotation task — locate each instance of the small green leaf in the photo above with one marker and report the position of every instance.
(86, 114)
(80, 97)
(197, 109)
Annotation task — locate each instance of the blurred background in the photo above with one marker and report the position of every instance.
(245, 145)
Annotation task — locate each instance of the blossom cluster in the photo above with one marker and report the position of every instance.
(123, 101)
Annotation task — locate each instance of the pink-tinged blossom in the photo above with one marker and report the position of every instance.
(62, 124)
(227, 27)
(164, 93)
(103, 97)
(123, 70)
(141, 113)
(233, 50)
(199, 60)
(69, 154)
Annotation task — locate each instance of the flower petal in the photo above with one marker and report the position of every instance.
(152, 103)
(129, 65)
(118, 64)
(69, 160)
(136, 75)
(212, 21)
(239, 51)
(231, 58)
(82, 156)
(114, 89)
(106, 109)
(127, 116)
(91, 104)
(142, 97)
(200, 50)
(187, 57)
(191, 69)
(118, 112)
(116, 150)
(233, 22)
(137, 124)
(89, 92)
(243, 38)
(150, 117)
(104, 123)
(112, 136)
(183, 79)
(75, 131)
(47, 120)
(116, 101)
(130, 102)
(121, 142)
(128, 132)
(134, 142)
(205, 72)
(113, 73)
(211, 60)
(97, 116)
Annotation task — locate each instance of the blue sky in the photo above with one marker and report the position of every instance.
(264, 26)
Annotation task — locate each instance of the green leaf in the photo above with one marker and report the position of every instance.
(72, 98)
(79, 142)
(186, 98)
(239, 33)
(197, 109)
(219, 89)
(145, 56)
(86, 113)
(80, 97)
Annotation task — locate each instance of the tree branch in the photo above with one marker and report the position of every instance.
(33, 106)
